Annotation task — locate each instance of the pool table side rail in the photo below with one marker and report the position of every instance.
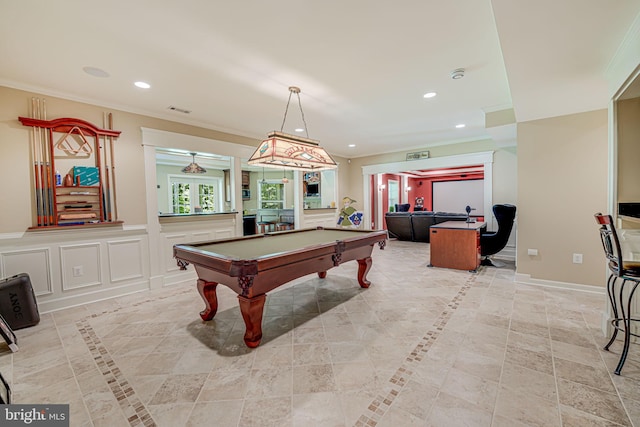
(191, 252)
(251, 267)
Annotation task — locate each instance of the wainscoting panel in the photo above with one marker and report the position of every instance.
(125, 260)
(224, 233)
(72, 267)
(325, 219)
(169, 241)
(80, 265)
(35, 262)
(202, 237)
(179, 233)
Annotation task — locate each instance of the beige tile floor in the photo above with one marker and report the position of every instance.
(420, 347)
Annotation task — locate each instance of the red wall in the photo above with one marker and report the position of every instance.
(372, 182)
(420, 187)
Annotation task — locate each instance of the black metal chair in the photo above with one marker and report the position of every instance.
(493, 242)
(628, 271)
(286, 222)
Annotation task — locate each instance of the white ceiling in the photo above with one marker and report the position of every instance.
(363, 66)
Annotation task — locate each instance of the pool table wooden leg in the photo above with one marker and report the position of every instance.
(207, 291)
(364, 265)
(252, 310)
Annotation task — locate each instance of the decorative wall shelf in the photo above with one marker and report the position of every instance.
(86, 195)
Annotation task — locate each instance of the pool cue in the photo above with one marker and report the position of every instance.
(49, 163)
(41, 168)
(49, 195)
(44, 167)
(34, 154)
(39, 164)
(108, 162)
(104, 165)
(113, 169)
(107, 191)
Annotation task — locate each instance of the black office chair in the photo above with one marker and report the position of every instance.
(628, 271)
(493, 242)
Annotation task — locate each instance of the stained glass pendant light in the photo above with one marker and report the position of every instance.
(283, 151)
(193, 167)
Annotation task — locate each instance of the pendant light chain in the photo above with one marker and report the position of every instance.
(306, 129)
(284, 119)
(295, 90)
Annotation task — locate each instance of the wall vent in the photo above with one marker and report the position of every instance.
(178, 109)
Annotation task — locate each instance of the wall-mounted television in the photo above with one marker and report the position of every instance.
(313, 189)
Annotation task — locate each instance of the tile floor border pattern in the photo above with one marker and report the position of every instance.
(129, 403)
(381, 404)
(137, 413)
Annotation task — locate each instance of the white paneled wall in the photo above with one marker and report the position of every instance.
(70, 267)
(319, 218)
(80, 265)
(126, 259)
(73, 267)
(18, 261)
(224, 226)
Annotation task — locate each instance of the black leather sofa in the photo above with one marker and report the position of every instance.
(414, 226)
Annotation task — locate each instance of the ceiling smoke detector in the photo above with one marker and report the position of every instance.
(458, 73)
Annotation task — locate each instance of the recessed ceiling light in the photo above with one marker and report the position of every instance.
(430, 94)
(351, 145)
(299, 130)
(95, 72)
(460, 126)
(142, 85)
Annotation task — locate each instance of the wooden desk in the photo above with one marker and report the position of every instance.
(456, 244)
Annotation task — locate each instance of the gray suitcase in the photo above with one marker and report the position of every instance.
(18, 302)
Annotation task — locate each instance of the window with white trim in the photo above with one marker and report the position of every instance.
(271, 194)
(195, 194)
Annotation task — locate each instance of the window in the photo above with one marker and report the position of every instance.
(394, 192)
(194, 194)
(271, 195)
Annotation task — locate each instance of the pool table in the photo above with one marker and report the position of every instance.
(253, 265)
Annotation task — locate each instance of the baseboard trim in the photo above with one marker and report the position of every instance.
(179, 278)
(88, 298)
(525, 279)
(508, 253)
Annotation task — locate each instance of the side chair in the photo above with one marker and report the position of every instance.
(628, 271)
(494, 241)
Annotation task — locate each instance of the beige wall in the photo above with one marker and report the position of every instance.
(562, 182)
(628, 120)
(16, 176)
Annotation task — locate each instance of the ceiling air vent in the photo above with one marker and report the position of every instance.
(178, 109)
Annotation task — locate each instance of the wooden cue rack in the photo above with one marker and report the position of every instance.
(70, 202)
